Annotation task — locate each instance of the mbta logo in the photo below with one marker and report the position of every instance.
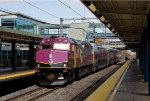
(50, 58)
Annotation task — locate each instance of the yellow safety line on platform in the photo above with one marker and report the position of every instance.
(104, 91)
(10, 76)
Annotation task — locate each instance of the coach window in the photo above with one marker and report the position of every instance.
(72, 47)
(83, 46)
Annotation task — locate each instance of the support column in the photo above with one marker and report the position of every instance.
(0, 52)
(148, 55)
(13, 55)
(31, 55)
(145, 57)
(141, 55)
(137, 53)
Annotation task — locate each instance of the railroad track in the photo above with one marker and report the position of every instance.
(42, 95)
(40, 92)
(32, 95)
(89, 90)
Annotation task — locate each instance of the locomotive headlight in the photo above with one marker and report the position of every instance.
(38, 65)
(65, 65)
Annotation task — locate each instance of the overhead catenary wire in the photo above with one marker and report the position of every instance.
(13, 13)
(52, 14)
(70, 8)
(9, 12)
(6, 11)
(77, 14)
(40, 9)
(73, 10)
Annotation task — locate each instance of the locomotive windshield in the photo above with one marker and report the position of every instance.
(50, 46)
(59, 46)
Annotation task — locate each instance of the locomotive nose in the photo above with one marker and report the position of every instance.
(44, 56)
(52, 57)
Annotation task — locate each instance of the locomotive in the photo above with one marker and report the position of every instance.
(60, 60)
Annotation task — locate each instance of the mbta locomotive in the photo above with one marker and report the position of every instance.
(60, 59)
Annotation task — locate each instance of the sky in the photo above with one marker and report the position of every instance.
(53, 7)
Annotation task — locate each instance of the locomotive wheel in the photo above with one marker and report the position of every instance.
(69, 78)
(77, 74)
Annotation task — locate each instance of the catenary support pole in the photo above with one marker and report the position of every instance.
(13, 55)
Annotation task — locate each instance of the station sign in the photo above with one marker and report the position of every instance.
(131, 40)
(131, 35)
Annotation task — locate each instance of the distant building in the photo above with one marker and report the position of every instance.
(20, 22)
(52, 29)
(88, 31)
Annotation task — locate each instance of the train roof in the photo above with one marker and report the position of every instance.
(56, 39)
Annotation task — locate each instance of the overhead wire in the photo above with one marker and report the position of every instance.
(9, 12)
(74, 19)
(52, 14)
(77, 14)
(40, 9)
(73, 10)
(70, 8)
(6, 11)
(12, 13)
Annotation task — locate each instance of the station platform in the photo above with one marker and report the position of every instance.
(127, 84)
(132, 87)
(16, 75)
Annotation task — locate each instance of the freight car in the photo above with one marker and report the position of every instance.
(60, 60)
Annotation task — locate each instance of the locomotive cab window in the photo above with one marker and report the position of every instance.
(47, 46)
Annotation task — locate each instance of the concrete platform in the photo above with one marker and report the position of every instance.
(104, 91)
(132, 87)
(16, 75)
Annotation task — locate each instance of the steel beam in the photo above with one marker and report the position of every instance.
(148, 51)
(13, 55)
(31, 55)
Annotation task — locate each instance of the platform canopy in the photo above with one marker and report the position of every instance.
(9, 35)
(125, 18)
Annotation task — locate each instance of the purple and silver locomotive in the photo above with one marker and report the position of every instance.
(60, 60)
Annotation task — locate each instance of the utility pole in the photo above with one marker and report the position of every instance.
(105, 34)
(61, 27)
